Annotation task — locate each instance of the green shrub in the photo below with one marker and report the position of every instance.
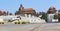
(23, 22)
(18, 22)
(2, 22)
(15, 22)
(44, 16)
(55, 17)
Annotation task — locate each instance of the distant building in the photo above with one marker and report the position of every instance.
(23, 11)
(2, 13)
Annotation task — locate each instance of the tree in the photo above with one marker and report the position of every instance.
(55, 17)
(10, 13)
(17, 12)
(58, 10)
(44, 16)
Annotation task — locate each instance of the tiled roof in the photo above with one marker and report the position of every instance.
(2, 12)
(28, 9)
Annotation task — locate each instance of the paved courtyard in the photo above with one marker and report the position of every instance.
(31, 27)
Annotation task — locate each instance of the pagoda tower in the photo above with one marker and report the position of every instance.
(21, 7)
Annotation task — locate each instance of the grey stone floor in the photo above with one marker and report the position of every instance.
(48, 27)
(31, 27)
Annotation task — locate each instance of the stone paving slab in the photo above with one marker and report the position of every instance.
(19, 27)
(31, 27)
(48, 27)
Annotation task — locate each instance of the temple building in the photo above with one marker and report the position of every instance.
(51, 10)
(2, 13)
(23, 11)
(52, 15)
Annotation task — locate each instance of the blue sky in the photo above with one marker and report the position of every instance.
(39, 5)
